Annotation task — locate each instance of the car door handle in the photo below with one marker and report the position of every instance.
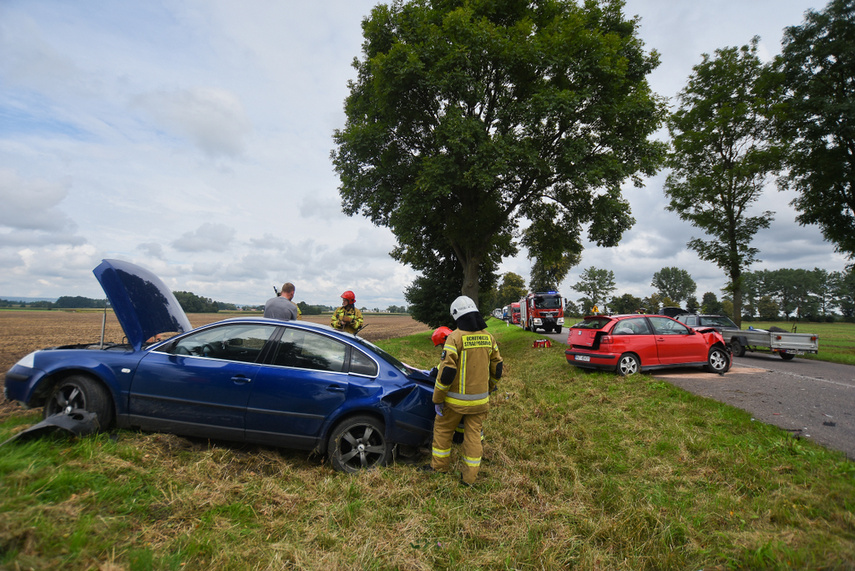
(241, 379)
(335, 389)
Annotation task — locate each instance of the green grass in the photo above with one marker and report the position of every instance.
(582, 470)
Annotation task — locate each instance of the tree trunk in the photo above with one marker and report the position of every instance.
(470, 278)
(736, 283)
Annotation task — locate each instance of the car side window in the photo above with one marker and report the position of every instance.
(635, 326)
(308, 350)
(233, 342)
(666, 326)
(362, 364)
(639, 326)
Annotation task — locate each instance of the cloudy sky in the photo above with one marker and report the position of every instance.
(193, 137)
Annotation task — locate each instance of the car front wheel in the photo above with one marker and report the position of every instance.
(359, 443)
(628, 364)
(82, 393)
(717, 361)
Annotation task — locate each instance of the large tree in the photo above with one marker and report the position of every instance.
(817, 119)
(721, 157)
(469, 119)
(674, 283)
(511, 289)
(597, 285)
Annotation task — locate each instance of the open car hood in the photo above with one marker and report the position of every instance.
(143, 304)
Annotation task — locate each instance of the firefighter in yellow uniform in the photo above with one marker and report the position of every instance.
(348, 317)
(471, 365)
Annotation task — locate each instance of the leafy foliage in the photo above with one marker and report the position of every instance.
(511, 289)
(626, 303)
(674, 283)
(597, 285)
(430, 295)
(192, 303)
(722, 155)
(77, 301)
(817, 120)
(468, 117)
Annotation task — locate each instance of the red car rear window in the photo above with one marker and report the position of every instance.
(593, 323)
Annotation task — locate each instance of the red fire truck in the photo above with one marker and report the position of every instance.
(542, 310)
(515, 312)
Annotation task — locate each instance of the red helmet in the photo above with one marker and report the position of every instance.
(349, 296)
(439, 335)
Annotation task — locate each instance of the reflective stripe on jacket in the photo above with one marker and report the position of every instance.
(474, 355)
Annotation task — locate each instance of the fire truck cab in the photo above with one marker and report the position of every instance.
(542, 310)
(515, 312)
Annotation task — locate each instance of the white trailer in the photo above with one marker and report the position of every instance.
(776, 340)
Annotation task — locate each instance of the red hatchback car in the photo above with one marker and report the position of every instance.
(628, 344)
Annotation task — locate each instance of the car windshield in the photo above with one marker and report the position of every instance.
(547, 302)
(718, 321)
(593, 323)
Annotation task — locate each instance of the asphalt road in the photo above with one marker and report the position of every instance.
(809, 399)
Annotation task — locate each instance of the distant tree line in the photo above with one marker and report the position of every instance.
(768, 295)
(190, 303)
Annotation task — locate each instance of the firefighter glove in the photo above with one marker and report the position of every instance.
(438, 408)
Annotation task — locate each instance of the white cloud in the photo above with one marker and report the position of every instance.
(213, 119)
(193, 138)
(33, 205)
(206, 238)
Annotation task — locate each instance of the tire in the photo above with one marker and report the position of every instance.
(717, 361)
(558, 329)
(81, 392)
(359, 443)
(628, 364)
(786, 356)
(736, 348)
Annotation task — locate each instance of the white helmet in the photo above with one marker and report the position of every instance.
(461, 306)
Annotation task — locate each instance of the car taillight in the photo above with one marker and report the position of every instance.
(813, 337)
(606, 340)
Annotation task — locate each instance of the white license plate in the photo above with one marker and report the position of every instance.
(582, 358)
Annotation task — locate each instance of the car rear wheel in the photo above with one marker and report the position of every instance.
(628, 364)
(359, 443)
(717, 361)
(83, 393)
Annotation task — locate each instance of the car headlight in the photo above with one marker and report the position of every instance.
(29, 361)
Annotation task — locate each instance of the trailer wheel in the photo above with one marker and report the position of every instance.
(736, 348)
(786, 356)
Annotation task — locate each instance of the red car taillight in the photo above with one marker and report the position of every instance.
(606, 340)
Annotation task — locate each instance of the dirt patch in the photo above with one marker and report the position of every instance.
(24, 331)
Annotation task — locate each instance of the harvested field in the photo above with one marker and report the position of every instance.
(24, 331)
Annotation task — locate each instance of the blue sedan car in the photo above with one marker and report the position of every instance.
(289, 384)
